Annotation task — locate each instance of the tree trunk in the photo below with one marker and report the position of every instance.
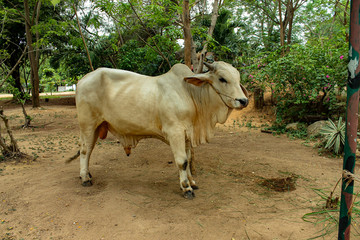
(187, 33)
(282, 29)
(290, 22)
(345, 21)
(194, 59)
(214, 17)
(13, 68)
(258, 98)
(17, 83)
(27, 118)
(33, 64)
(37, 51)
(13, 147)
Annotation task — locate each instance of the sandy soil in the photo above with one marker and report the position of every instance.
(138, 197)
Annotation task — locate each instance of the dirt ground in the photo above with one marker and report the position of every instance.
(138, 197)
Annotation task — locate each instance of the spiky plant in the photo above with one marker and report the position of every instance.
(334, 135)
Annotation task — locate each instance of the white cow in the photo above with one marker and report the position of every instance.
(180, 108)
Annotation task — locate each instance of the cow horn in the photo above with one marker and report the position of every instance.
(210, 66)
(244, 90)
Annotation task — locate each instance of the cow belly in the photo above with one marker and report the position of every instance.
(130, 135)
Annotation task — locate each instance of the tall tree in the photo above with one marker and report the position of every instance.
(280, 12)
(33, 52)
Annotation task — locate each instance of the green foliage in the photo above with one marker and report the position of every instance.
(224, 43)
(54, 2)
(227, 44)
(17, 94)
(141, 36)
(334, 135)
(143, 59)
(299, 133)
(304, 82)
(49, 79)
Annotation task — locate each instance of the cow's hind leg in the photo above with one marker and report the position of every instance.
(88, 139)
(177, 144)
(189, 170)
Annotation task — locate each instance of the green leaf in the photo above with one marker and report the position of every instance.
(54, 2)
(334, 135)
(331, 141)
(337, 144)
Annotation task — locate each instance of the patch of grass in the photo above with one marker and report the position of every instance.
(12, 117)
(236, 123)
(300, 133)
(53, 96)
(326, 214)
(244, 123)
(250, 125)
(276, 129)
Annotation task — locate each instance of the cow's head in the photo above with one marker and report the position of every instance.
(225, 80)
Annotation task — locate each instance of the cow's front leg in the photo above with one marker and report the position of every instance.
(190, 168)
(177, 144)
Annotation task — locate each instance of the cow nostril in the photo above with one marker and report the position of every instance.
(243, 101)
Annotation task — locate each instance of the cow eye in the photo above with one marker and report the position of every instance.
(223, 80)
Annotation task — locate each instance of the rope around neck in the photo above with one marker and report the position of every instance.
(222, 94)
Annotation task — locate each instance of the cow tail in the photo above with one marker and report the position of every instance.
(69, 160)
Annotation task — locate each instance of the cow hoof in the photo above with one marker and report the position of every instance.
(87, 183)
(189, 195)
(195, 187)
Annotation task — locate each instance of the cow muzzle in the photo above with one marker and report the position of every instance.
(242, 101)
(232, 102)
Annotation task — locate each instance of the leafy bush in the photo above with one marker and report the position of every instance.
(303, 82)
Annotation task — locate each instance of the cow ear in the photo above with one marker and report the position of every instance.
(197, 80)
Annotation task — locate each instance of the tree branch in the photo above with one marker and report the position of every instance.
(138, 17)
(265, 10)
(37, 52)
(14, 67)
(19, 12)
(147, 30)
(13, 145)
(82, 37)
(214, 17)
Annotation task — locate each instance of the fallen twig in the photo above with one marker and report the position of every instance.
(267, 131)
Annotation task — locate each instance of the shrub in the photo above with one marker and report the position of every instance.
(334, 135)
(303, 82)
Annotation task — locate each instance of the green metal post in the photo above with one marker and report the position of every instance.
(352, 105)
